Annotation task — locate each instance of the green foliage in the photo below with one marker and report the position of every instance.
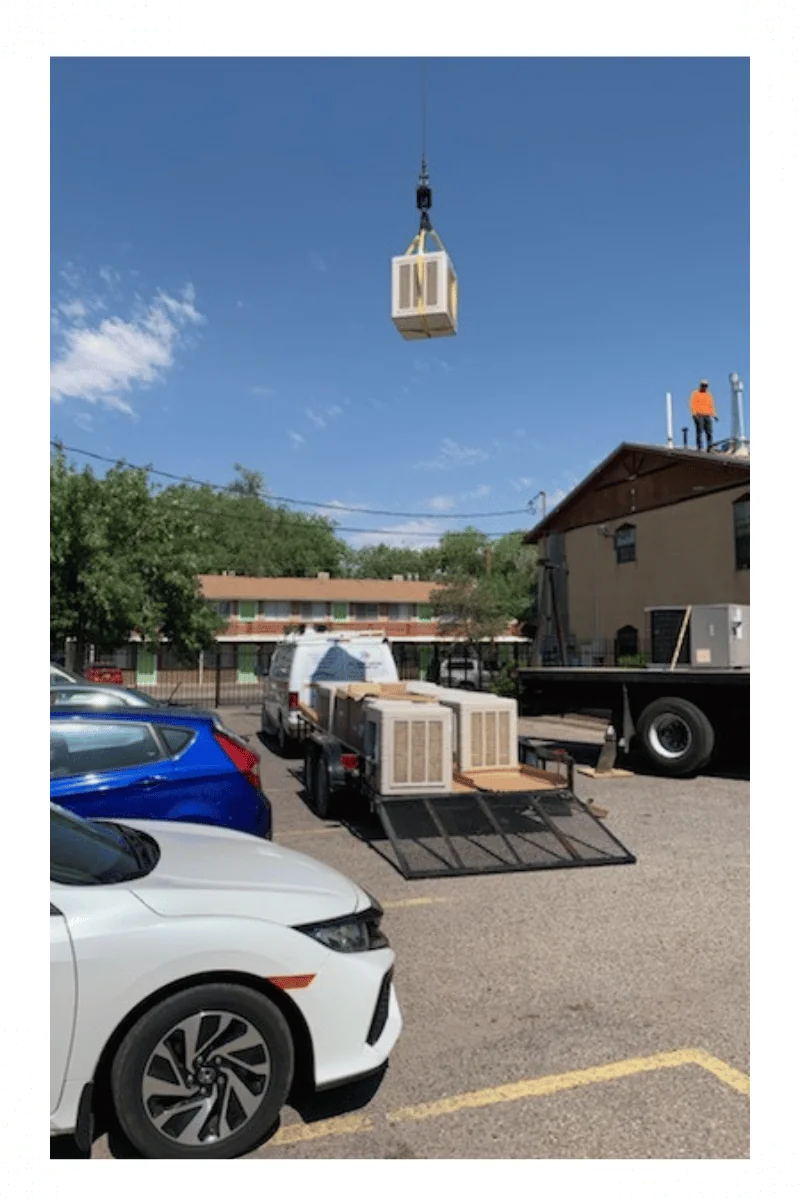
(121, 563)
(504, 683)
(484, 584)
(633, 660)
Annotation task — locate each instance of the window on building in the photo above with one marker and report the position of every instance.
(340, 610)
(223, 607)
(276, 610)
(626, 642)
(313, 610)
(366, 612)
(625, 543)
(741, 532)
(248, 610)
(424, 612)
(401, 612)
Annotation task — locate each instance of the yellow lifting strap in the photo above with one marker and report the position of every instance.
(417, 246)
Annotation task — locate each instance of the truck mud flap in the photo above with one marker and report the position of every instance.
(485, 833)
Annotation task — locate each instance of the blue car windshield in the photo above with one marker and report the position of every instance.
(88, 853)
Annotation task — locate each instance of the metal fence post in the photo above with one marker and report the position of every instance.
(218, 679)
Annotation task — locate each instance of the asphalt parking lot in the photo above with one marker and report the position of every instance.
(599, 1013)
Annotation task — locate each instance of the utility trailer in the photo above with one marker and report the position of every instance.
(469, 827)
(678, 718)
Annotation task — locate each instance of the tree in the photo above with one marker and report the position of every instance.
(382, 562)
(484, 585)
(121, 563)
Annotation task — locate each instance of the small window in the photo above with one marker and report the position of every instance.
(313, 610)
(366, 612)
(223, 607)
(340, 610)
(176, 739)
(248, 610)
(424, 612)
(401, 612)
(625, 543)
(77, 747)
(277, 610)
(741, 532)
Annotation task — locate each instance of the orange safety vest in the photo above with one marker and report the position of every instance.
(702, 404)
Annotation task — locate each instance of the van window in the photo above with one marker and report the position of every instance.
(281, 662)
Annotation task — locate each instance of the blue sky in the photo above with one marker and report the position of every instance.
(221, 239)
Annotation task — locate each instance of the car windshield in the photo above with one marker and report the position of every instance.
(87, 853)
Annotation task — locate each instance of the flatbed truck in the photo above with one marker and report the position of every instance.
(679, 719)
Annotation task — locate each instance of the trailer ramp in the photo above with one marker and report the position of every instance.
(485, 833)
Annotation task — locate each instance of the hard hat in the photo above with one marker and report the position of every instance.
(703, 383)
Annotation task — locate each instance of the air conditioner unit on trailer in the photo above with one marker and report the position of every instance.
(486, 727)
(409, 747)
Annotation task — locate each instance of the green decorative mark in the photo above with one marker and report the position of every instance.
(12, 981)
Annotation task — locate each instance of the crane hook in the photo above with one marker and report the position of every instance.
(424, 197)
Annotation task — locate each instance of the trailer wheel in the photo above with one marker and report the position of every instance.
(310, 773)
(323, 799)
(675, 735)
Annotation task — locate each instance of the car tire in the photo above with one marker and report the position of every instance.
(264, 722)
(675, 736)
(248, 1091)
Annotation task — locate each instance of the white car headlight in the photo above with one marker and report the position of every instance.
(349, 935)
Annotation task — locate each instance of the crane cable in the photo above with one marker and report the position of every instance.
(424, 202)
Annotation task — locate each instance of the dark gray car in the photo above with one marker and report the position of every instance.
(99, 695)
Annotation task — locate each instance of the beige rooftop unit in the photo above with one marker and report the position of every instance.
(486, 727)
(408, 747)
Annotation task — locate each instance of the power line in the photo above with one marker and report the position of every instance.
(369, 512)
(256, 519)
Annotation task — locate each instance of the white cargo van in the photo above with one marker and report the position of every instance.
(318, 656)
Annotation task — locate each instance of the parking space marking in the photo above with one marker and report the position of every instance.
(282, 833)
(548, 1085)
(290, 1135)
(545, 1085)
(414, 901)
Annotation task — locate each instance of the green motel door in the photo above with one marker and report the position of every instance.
(246, 662)
(146, 667)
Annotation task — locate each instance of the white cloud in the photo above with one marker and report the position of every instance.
(523, 484)
(441, 503)
(318, 263)
(72, 276)
(452, 455)
(316, 418)
(100, 363)
(409, 534)
(258, 390)
(240, 303)
(296, 439)
(109, 276)
(478, 493)
(84, 421)
(73, 310)
(335, 410)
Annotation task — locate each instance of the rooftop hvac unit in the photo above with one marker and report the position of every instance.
(408, 747)
(712, 635)
(486, 732)
(424, 295)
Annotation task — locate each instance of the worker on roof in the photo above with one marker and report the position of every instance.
(703, 412)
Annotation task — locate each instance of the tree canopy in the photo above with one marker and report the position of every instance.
(125, 556)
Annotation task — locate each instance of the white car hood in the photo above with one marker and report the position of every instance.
(208, 871)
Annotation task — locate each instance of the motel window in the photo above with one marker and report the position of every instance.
(625, 543)
(339, 610)
(741, 532)
(366, 612)
(313, 610)
(424, 612)
(276, 610)
(248, 610)
(401, 612)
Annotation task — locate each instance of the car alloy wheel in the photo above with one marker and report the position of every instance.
(206, 1078)
(203, 1074)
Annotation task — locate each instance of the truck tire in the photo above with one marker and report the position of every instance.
(324, 796)
(676, 737)
(310, 773)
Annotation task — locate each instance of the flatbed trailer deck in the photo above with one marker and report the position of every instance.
(539, 825)
(679, 719)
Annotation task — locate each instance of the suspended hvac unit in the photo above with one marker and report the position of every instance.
(408, 747)
(424, 283)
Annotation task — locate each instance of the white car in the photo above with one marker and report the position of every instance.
(318, 656)
(196, 975)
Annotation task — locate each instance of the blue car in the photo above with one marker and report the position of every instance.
(155, 764)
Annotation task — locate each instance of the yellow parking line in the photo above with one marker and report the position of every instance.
(282, 833)
(291, 1134)
(724, 1071)
(546, 1085)
(413, 901)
